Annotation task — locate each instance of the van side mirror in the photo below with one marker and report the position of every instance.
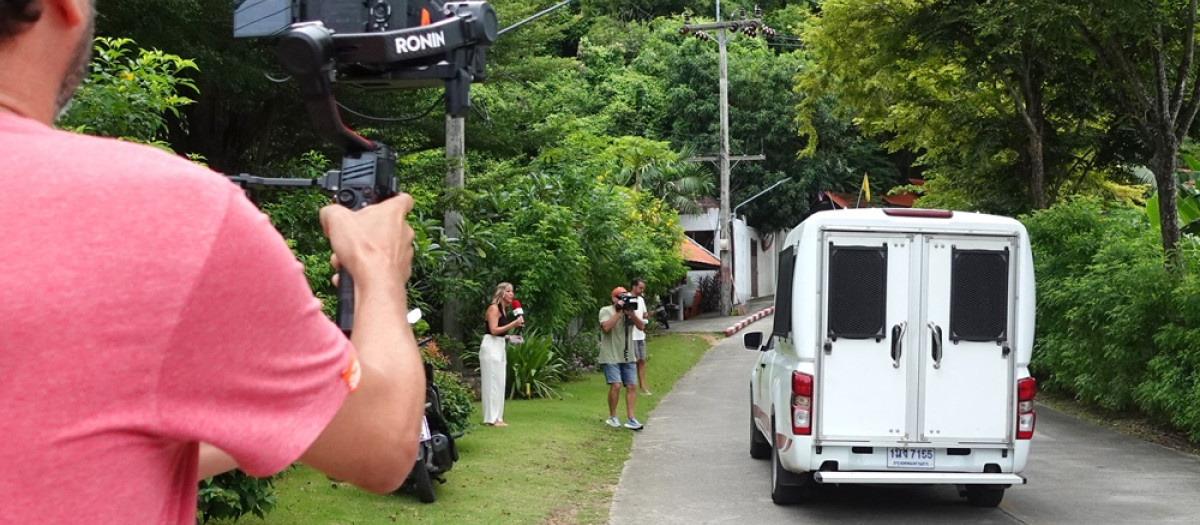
(752, 341)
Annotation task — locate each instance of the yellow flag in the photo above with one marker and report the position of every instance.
(866, 187)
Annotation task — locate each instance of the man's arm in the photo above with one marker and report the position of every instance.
(214, 461)
(608, 324)
(636, 319)
(371, 441)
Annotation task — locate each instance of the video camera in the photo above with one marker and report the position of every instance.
(374, 44)
(629, 302)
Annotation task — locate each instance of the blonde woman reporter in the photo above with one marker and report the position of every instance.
(493, 362)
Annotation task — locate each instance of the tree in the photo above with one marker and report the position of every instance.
(680, 105)
(651, 166)
(1148, 51)
(982, 90)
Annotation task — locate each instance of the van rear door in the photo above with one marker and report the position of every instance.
(862, 386)
(966, 359)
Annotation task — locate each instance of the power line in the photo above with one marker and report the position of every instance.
(395, 120)
(534, 17)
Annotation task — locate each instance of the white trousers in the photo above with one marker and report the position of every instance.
(493, 365)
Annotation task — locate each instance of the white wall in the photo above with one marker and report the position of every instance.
(768, 260)
(743, 237)
(706, 221)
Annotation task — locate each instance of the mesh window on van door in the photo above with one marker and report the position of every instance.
(857, 291)
(979, 295)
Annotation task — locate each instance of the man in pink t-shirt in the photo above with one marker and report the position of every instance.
(157, 330)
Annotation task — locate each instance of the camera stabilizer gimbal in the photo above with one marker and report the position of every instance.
(448, 46)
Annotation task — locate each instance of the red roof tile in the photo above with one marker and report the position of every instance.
(696, 257)
(902, 200)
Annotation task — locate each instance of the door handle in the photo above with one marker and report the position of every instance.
(936, 332)
(898, 343)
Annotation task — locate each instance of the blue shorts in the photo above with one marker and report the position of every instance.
(620, 373)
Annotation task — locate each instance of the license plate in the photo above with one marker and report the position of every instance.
(910, 458)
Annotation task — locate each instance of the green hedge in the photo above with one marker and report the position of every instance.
(1114, 328)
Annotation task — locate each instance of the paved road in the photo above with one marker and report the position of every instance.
(691, 465)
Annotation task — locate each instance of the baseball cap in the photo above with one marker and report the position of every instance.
(619, 290)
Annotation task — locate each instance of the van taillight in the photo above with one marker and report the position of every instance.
(802, 406)
(1026, 417)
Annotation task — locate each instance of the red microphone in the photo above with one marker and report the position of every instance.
(517, 312)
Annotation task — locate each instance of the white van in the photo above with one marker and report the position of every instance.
(899, 354)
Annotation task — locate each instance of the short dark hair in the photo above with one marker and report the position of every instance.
(636, 281)
(16, 14)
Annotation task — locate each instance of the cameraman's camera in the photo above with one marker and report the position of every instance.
(629, 302)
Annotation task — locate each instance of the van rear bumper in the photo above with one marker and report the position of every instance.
(918, 478)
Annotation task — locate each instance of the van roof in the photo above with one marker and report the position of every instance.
(894, 218)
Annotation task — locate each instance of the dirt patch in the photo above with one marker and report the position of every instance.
(1129, 424)
(562, 515)
(710, 338)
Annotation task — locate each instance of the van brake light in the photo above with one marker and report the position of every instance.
(925, 214)
(1026, 416)
(802, 405)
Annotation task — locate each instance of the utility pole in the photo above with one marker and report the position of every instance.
(456, 132)
(750, 27)
(456, 138)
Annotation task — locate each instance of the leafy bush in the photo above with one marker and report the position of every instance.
(432, 354)
(1100, 282)
(710, 293)
(456, 400)
(1114, 328)
(579, 354)
(453, 350)
(456, 395)
(534, 363)
(129, 92)
(231, 495)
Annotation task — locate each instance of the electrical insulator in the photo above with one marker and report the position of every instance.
(684, 30)
(703, 36)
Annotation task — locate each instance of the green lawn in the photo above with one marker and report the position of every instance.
(556, 462)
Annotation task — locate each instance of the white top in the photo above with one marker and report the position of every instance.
(638, 334)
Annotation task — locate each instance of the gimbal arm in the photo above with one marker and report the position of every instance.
(307, 53)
